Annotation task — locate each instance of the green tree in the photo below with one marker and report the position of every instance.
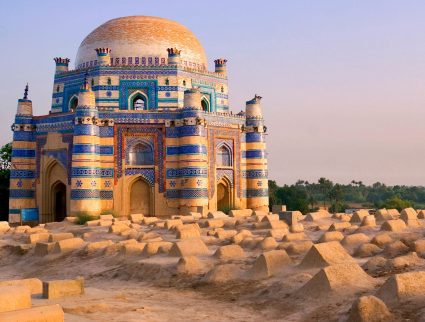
(273, 197)
(325, 187)
(5, 164)
(294, 197)
(397, 203)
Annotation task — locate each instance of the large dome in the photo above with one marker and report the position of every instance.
(144, 40)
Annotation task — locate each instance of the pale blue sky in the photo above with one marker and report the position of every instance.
(343, 81)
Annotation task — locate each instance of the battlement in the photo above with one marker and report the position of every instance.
(173, 51)
(61, 61)
(103, 51)
(220, 62)
(61, 64)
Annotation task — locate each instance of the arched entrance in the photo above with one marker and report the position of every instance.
(224, 196)
(140, 197)
(54, 196)
(58, 197)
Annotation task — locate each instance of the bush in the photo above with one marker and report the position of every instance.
(112, 212)
(397, 203)
(338, 207)
(83, 217)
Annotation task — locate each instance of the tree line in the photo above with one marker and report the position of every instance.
(305, 196)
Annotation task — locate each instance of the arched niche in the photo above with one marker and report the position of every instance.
(73, 103)
(205, 104)
(141, 153)
(224, 156)
(138, 101)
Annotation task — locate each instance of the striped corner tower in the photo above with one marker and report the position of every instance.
(86, 172)
(257, 193)
(192, 153)
(23, 164)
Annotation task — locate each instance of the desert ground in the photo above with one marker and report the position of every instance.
(245, 266)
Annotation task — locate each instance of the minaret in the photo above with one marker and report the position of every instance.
(103, 56)
(23, 164)
(85, 172)
(221, 66)
(173, 56)
(255, 157)
(61, 64)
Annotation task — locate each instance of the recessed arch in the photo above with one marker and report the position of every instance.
(141, 153)
(140, 196)
(224, 194)
(55, 191)
(73, 103)
(138, 101)
(224, 155)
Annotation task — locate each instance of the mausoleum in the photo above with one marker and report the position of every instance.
(139, 126)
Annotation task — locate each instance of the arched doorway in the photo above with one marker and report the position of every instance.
(224, 200)
(58, 197)
(53, 180)
(140, 197)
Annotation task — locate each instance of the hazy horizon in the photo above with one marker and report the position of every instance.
(343, 83)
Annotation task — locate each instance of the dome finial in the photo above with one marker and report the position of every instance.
(26, 92)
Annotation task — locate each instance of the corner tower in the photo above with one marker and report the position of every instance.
(255, 157)
(85, 171)
(23, 163)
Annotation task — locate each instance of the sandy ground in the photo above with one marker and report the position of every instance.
(146, 287)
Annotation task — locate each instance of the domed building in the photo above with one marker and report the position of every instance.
(139, 126)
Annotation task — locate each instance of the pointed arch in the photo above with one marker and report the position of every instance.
(140, 152)
(55, 191)
(225, 194)
(224, 155)
(138, 101)
(73, 103)
(139, 196)
(205, 103)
